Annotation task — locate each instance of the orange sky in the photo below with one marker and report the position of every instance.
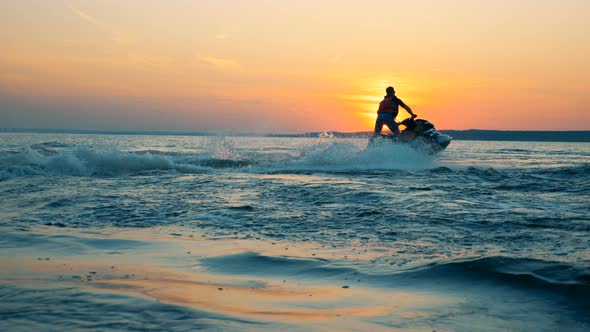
(292, 66)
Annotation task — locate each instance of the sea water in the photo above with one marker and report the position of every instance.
(511, 214)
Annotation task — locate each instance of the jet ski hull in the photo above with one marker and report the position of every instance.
(419, 134)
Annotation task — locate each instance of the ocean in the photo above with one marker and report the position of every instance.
(177, 233)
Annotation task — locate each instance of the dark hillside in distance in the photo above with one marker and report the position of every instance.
(489, 135)
(506, 135)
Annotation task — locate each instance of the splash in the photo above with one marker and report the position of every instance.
(332, 153)
(221, 147)
(326, 153)
(83, 161)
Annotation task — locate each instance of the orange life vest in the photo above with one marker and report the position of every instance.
(388, 106)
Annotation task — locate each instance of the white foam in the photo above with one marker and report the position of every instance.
(82, 161)
(325, 154)
(334, 154)
(220, 147)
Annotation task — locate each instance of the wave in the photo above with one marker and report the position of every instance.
(70, 309)
(326, 155)
(510, 270)
(582, 170)
(507, 270)
(553, 281)
(339, 156)
(86, 162)
(526, 274)
(53, 158)
(50, 145)
(251, 263)
(556, 179)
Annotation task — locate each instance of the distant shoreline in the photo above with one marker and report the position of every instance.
(470, 134)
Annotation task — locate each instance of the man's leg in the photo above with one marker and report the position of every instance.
(378, 124)
(392, 125)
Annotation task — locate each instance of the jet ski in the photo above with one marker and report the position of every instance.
(420, 134)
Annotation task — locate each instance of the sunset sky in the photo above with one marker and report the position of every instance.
(292, 66)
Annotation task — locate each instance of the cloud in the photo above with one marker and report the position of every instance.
(362, 99)
(114, 35)
(220, 63)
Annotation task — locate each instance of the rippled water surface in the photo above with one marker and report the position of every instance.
(510, 208)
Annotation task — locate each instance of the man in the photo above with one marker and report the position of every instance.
(388, 110)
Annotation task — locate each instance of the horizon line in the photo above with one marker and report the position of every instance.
(211, 133)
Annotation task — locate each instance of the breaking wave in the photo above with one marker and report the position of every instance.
(326, 156)
(83, 161)
(61, 159)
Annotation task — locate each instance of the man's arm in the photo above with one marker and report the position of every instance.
(406, 107)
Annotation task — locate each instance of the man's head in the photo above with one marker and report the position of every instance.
(390, 91)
